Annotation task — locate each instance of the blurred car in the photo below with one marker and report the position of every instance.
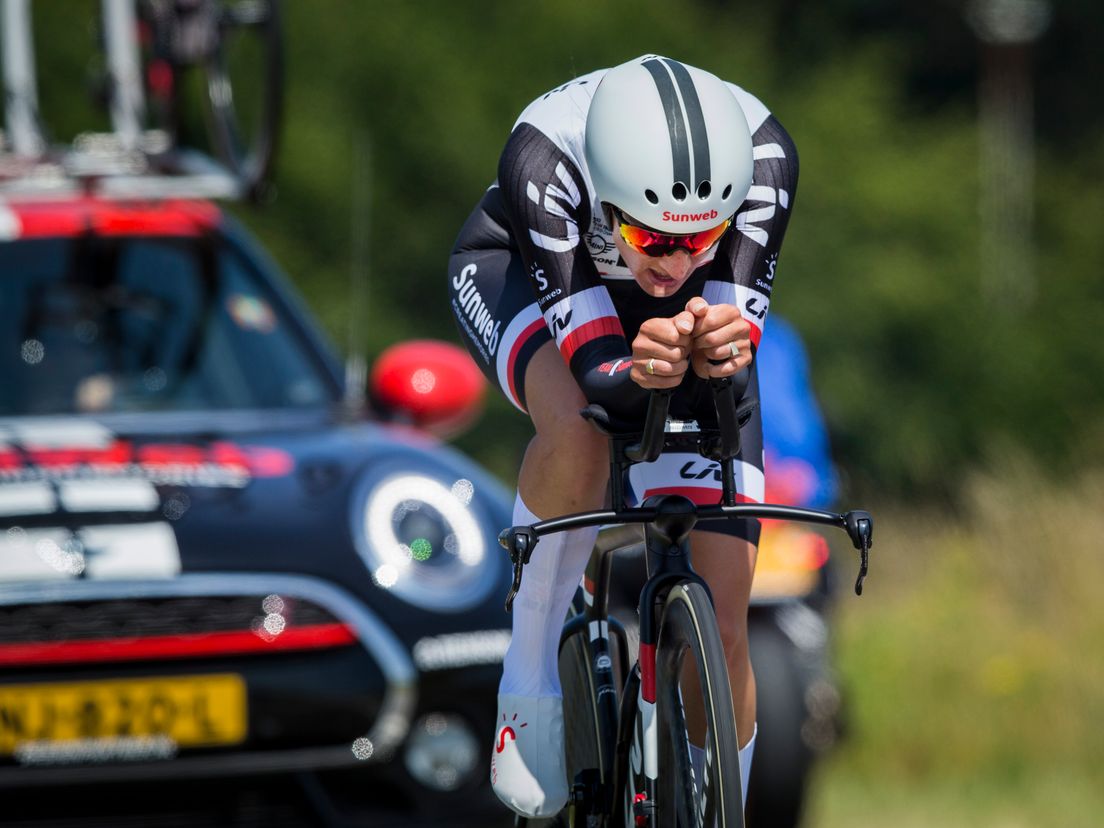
(209, 564)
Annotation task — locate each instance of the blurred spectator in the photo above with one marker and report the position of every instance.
(798, 464)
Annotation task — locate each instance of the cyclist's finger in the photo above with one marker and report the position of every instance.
(658, 373)
(645, 347)
(732, 332)
(684, 321)
(698, 307)
(729, 350)
(719, 368)
(664, 331)
(646, 380)
(726, 368)
(661, 367)
(649, 349)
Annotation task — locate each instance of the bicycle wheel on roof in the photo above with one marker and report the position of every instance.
(244, 74)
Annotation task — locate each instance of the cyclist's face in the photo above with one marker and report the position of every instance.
(659, 276)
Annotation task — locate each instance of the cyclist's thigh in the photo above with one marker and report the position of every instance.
(496, 315)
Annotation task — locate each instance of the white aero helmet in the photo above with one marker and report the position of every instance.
(668, 145)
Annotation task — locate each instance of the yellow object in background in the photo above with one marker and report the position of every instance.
(190, 710)
(790, 558)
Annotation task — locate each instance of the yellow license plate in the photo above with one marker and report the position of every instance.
(191, 711)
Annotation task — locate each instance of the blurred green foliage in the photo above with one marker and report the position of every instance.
(921, 375)
(972, 666)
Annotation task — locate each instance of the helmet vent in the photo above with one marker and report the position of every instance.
(704, 189)
(727, 192)
(679, 192)
(651, 196)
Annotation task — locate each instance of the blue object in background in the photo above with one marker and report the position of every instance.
(799, 464)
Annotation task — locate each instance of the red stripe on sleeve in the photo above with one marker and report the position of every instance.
(756, 334)
(602, 326)
(515, 349)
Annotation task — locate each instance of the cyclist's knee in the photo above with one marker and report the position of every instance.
(732, 622)
(570, 442)
(734, 634)
(726, 564)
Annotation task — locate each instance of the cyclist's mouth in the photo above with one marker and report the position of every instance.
(661, 280)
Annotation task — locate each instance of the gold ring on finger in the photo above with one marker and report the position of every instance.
(650, 368)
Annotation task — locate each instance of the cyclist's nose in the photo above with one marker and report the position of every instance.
(678, 264)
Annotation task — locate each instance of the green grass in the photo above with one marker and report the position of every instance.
(973, 667)
(1064, 797)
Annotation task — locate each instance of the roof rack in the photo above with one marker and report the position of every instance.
(131, 162)
(99, 164)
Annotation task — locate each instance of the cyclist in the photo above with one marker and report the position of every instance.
(642, 204)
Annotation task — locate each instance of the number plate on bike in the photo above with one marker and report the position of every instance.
(188, 710)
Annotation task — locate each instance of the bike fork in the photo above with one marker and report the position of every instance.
(635, 765)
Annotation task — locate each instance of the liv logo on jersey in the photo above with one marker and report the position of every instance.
(582, 318)
(747, 220)
(560, 323)
(558, 200)
(690, 471)
(754, 304)
(475, 309)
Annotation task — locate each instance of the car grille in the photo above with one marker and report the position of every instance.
(128, 618)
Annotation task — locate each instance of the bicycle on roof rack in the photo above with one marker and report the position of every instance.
(627, 738)
(152, 49)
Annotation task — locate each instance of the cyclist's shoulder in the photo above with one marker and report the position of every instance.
(560, 115)
(756, 112)
(564, 107)
(769, 137)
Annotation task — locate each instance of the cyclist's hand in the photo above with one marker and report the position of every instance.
(717, 328)
(664, 345)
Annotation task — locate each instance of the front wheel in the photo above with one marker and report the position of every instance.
(689, 646)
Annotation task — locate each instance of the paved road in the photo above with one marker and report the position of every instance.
(269, 802)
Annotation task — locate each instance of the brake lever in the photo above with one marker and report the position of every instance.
(860, 526)
(519, 541)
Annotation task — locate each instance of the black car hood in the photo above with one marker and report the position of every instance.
(229, 495)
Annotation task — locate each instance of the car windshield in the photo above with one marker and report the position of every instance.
(94, 324)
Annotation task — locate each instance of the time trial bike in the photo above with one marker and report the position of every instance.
(627, 740)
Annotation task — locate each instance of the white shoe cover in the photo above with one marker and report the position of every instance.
(527, 760)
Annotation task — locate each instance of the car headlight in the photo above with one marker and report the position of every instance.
(421, 541)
